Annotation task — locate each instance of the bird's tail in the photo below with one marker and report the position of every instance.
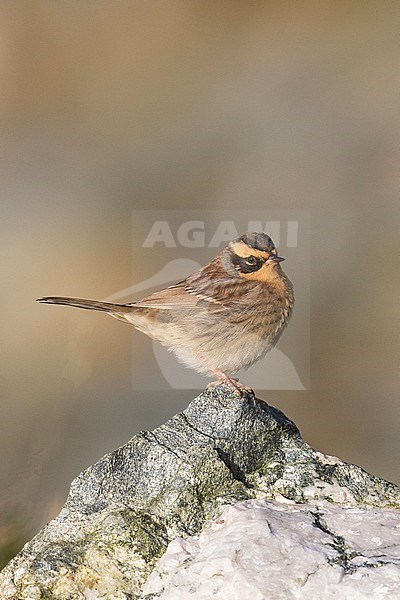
(83, 303)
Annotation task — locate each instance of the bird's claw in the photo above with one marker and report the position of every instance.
(235, 385)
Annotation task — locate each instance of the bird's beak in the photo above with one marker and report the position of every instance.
(275, 259)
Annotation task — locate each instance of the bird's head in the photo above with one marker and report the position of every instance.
(253, 256)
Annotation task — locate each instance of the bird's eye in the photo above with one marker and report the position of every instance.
(251, 260)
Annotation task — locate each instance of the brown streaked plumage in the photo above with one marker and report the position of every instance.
(225, 316)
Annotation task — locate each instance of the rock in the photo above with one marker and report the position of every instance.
(166, 486)
(260, 549)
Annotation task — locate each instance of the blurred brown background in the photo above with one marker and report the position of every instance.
(113, 106)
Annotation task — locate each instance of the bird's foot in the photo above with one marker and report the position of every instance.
(238, 387)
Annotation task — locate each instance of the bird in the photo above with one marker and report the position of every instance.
(223, 317)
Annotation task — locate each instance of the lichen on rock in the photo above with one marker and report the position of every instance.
(122, 512)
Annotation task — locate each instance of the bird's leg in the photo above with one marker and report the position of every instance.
(229, 381)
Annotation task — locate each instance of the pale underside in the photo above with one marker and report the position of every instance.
(206, 340)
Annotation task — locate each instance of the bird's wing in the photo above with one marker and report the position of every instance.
(171, 298)
(197, 293)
